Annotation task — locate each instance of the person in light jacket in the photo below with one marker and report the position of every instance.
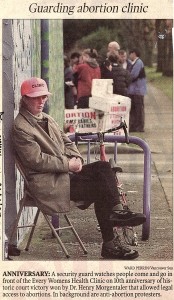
(55, 171)
(136, 91)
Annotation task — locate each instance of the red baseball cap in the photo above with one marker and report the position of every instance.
(34, 87)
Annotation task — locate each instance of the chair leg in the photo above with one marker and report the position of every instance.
(76, 234)
(56, 235)
(15, 225)
(32, 230)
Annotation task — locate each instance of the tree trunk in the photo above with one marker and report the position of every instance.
(164, 47)
(168, 54)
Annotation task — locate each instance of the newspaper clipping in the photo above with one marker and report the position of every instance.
(69, 255)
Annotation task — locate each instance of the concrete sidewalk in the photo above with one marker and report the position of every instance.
(158, 134)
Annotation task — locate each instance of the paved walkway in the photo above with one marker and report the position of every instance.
(158, 134)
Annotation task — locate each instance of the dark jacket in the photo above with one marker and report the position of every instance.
(121, 79)
(69, 98)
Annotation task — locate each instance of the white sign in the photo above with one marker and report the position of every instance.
(105, 112)
(81, 120)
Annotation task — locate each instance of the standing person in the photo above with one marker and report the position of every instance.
(125, 62)
(55, 171)
(75, 60)
(114, 70)
(86, 71)
(137, 90)
(112, 47)
(68, 84)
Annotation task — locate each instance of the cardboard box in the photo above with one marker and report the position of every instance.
(105, 112)
(110, 103)
(114, 108)
(101, 87)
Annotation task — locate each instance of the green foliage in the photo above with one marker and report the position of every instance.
(75, 29)
(98, 39)
(164, 83)
(138, 34)
(98, 33)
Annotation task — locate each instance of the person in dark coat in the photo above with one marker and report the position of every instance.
(75, 60)
(114, 70)
(113, 46)
(124, 61)
(69, 85)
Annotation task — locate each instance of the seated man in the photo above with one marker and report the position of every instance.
(55, 171)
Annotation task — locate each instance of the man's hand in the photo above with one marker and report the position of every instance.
(75, 165)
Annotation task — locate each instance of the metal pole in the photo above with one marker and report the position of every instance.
(45, 56)
(45, 76)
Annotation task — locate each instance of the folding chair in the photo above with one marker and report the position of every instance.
(24, 203)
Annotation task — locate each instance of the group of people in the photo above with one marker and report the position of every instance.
(83, 69)
(128, 77)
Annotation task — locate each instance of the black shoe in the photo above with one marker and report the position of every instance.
(13, 250)
(126, 218)
(116, 250)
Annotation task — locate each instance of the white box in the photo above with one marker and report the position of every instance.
(105, 112)
(109, 121)
(115, 108)
(102, 87)
(110, 103)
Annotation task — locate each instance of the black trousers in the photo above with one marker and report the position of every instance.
(96, 184)
(136, 122)
(83, 102)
